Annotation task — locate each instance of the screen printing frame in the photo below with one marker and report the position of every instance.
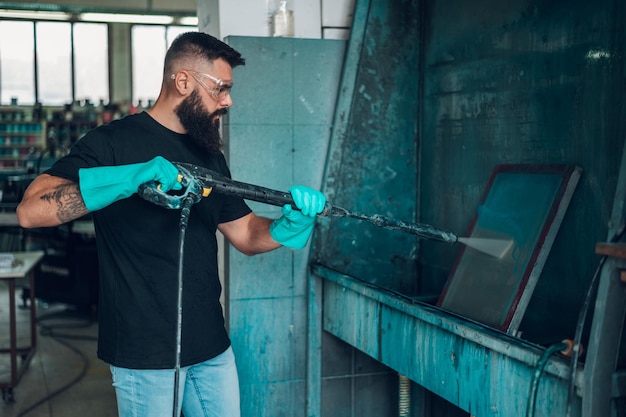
(524, 203)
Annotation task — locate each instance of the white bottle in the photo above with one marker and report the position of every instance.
(282, 21)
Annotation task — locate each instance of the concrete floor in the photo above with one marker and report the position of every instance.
(67, 357)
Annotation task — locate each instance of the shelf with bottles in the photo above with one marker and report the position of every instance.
(19, 139)
(15, 113)
(64, 133)
(25, 129)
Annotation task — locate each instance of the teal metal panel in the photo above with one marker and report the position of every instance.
(479, 369)
(355, 317)
(276, 135)
(373, 153)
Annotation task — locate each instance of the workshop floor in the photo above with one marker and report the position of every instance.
(64, 361)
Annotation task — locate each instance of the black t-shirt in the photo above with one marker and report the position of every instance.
(138, 252)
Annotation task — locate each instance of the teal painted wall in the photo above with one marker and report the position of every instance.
(440, 92)
(492, 82)
(276, 135)
(524, 82)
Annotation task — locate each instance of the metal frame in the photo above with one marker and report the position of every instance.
(26, 262)
(603, 381)
(502, 287)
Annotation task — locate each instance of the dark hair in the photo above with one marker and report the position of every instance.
(200, 45)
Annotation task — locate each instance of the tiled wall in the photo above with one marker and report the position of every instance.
(277, 135)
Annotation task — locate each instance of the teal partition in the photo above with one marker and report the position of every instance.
(373, 157)
(276, 135)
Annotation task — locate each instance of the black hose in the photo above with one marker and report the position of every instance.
(534, 384)
(184, 219)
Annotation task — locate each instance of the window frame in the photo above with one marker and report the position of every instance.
(73, 81)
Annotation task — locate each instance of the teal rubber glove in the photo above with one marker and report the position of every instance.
(101, 186)
(294, 227)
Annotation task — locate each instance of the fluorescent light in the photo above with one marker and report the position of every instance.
(99, 17)
(188, 21)
(126, 18)
(34, 15)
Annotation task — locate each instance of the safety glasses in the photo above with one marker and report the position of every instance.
(219, 90)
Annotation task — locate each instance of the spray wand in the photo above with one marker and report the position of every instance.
(203, 181)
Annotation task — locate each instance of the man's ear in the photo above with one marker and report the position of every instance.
(181, 82)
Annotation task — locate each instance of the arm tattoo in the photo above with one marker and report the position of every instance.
(68, 201)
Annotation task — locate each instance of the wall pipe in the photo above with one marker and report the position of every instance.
(404, 396)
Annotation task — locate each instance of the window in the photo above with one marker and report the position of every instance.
(54, 62)
(48, 47)
(17, 69)
(149, 45)
(59, 62)
(91, 62)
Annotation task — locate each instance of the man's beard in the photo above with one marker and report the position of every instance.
(202, 128)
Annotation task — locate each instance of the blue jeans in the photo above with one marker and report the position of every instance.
(207, 389)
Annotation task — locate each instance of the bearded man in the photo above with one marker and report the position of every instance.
(138, 242)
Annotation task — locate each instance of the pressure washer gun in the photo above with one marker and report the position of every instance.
(199, 182)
